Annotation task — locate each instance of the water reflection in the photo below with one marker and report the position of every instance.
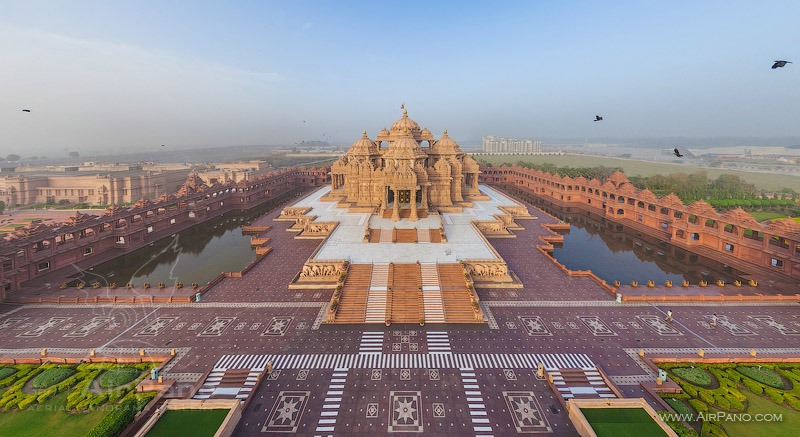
(615, 252)
(197, 254)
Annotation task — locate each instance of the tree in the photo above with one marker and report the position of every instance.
(74, 154)
(13, 158)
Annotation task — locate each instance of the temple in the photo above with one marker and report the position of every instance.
(395, 172)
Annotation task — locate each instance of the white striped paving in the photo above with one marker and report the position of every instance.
(438, 342)
(477, 408)
(332, 402)
(371, 342)
(407, 361)
(432, 303)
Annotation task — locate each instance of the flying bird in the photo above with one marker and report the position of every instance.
(26, 110)
(677, 152)
(598, 118)
(780, 64)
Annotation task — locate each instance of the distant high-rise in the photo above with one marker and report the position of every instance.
(492, 144)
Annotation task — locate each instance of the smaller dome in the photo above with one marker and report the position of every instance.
(426, 132)
(383, 131)
(445, 145)
(363, 146)
(405, 148)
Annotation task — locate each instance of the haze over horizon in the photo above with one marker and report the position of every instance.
(141, 74)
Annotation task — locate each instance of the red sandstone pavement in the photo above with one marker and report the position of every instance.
(552, 314)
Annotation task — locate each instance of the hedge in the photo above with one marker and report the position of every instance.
(698, 405)
(117, 420)
(774, 394)
(711, 429)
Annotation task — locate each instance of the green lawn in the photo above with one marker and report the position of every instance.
(622, 422)
(49, 418)
(632, 167)
(756, 404)
(117, 377)
(194, 423)
(767, 215)
(693, 375)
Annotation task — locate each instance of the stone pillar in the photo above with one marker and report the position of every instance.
(413, 217)
(475, 182)
(396, 206)
(425, 198)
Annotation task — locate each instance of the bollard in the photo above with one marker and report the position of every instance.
(753, 352)
(91, 352)
(641, 353)
(160, 379)
(141, 352)
(540, 371)
(701, 353)
(43, 352)
(172, 352)
(659, 381)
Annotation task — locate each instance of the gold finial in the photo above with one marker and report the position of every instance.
(405, 130)
(445, 131)
(365, 132)
(405, 113)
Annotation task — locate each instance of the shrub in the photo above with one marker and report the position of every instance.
(117, 377)
(52, 376)
(722, 402)
(117, 420)
(690, 390)
(753, 386)
(26, 402)
(707, 396)
(793, 401)
(711, 429)
(698, 405)
(762, 375)
(775, 395)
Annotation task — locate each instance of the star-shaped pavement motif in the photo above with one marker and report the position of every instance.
(525, 410)
(405, 410)
(286, 411)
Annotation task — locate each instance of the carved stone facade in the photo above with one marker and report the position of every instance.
(395, 171)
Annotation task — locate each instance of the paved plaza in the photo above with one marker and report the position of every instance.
(403, 379)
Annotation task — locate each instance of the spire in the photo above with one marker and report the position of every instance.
(405, 113)
(365, 133)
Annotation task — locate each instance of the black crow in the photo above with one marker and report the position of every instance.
(780, 64)
(677, 152)
(598, 118)
(26, 110)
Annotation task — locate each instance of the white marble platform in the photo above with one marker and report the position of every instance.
(463, 241)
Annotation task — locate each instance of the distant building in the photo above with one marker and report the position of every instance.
(492, 144)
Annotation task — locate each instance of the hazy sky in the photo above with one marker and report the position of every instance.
(140, 74)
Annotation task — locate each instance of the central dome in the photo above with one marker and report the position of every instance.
(405, 124)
